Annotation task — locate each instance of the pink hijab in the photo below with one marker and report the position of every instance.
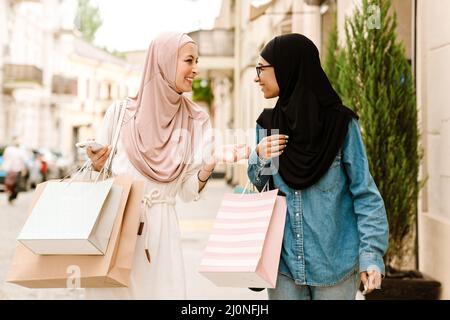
(160, 127)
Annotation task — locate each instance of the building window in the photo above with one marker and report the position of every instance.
(64, 85)
(99, 91)
(88, 88)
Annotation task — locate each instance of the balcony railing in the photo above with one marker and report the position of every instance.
(19, 1)
(22, 73)
(314, 2)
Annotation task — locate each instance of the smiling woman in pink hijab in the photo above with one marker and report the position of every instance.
(163, 136)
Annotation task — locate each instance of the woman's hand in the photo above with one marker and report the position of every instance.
(371, 281)
(231, 153)
(272, 146)
(98, 158)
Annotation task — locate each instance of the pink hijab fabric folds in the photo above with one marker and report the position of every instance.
(161, 125)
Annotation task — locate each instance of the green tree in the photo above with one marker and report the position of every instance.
(88, 19)
(375, 79)
(332, 55)
(202, 91)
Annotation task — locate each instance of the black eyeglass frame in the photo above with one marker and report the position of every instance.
(260, 67)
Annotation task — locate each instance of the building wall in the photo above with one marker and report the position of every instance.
(24, 108)
(101, 79)
(433, 98)
(404, 12)
(3, 43)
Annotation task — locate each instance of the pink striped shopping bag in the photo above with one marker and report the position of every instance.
(244, 247)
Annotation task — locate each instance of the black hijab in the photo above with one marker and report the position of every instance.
(308, 110)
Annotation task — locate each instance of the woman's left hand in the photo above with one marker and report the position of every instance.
(231, 153)
(371, 281)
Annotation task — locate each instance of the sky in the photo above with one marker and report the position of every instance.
(131, 24)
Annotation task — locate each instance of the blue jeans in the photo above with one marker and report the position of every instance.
(287, 289)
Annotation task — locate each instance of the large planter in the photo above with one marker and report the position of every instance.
(410, 285)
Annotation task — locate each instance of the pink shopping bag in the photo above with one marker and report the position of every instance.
(244, 247)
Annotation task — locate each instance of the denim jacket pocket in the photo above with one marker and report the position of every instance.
(329, 181)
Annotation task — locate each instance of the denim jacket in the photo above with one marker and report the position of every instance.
(334, 227)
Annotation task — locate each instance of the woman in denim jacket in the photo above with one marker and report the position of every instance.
(336, 230)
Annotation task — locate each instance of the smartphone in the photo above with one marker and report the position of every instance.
(95, 146)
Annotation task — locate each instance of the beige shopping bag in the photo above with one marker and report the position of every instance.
(111, 270)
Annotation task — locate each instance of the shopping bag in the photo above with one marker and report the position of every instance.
(244, 247)
(110, 270)
(76, 217)
(72, 217)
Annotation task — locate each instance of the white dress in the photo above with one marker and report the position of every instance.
(164, 277)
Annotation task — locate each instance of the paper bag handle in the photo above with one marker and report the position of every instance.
(266, 186)
(107, 167)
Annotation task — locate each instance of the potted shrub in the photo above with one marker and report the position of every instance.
(374, 78)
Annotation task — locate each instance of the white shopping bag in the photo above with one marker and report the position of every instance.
(72, 218)
(76, 217)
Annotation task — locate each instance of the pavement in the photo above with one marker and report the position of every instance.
(196, 221)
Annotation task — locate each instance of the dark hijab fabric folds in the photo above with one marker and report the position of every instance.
(308, 110)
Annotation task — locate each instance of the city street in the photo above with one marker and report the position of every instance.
(196, 220)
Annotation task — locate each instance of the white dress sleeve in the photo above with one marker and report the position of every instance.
(104, 135)
(105, 131)
(188, 190)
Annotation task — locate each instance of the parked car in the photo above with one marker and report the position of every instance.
(57, 164)
(35, 170)
(42, 164)
(64, 163)
(2, 173)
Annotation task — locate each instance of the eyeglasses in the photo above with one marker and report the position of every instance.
(260, 67)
